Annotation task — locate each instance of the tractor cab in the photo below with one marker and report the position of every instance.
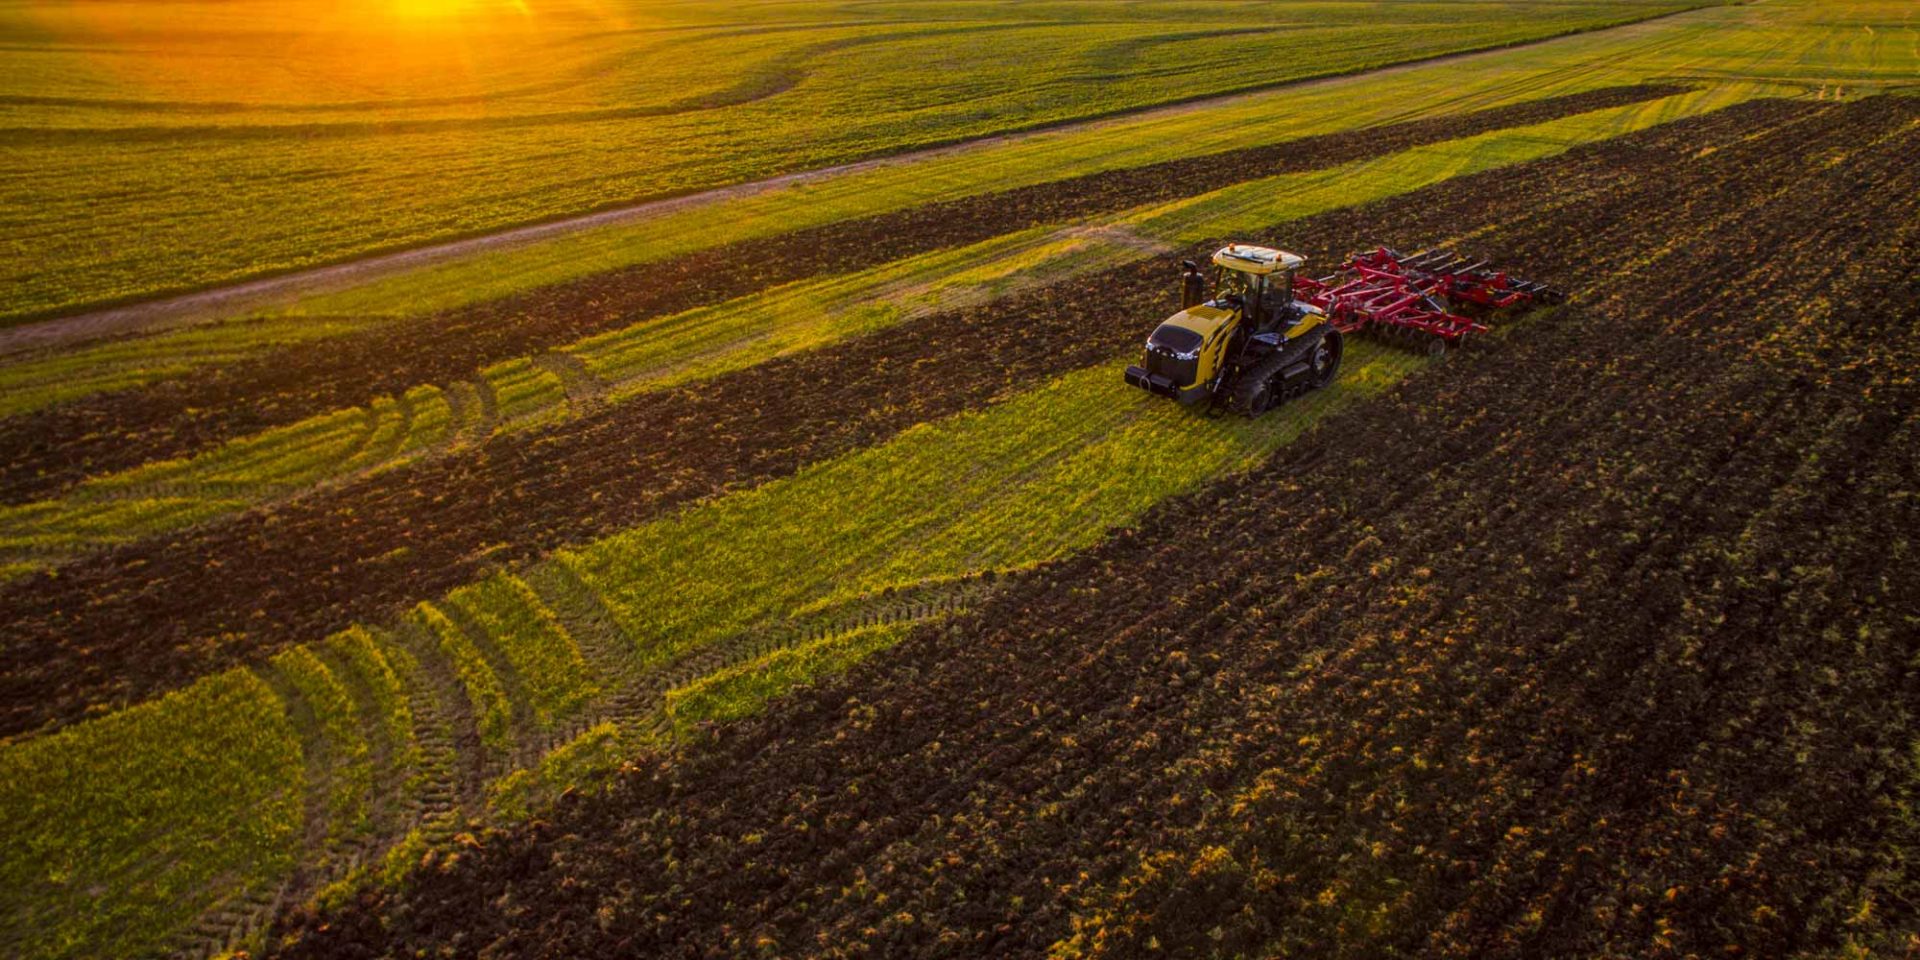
(1251, 299)
(1258, 281)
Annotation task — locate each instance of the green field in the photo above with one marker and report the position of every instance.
(200, 138)
(170, 146)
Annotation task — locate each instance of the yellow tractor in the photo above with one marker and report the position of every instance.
(1250, 346)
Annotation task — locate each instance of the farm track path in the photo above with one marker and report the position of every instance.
(46, 450)
(133, 622)
(1597, 645)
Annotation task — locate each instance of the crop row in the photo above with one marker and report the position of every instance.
(1601, 649)
(664, 352)
(779, 239)
(145, 617)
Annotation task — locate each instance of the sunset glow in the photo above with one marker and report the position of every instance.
(417, 11)
(308, 54)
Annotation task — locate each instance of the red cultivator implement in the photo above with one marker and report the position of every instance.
(1411, 300)
(1268, 335)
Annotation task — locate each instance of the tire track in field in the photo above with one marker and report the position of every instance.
(48, 450)
(1490, 668)
(127, 624)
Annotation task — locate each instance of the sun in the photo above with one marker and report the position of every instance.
(424, 11)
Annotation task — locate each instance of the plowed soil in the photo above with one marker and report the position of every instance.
(47, 450)
(134, 622)
(131, 623)
(1599, 645)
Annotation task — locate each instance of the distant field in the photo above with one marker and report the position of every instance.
(160, 146)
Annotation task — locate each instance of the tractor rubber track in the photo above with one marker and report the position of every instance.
(125, 625)
(45, 451)
(1599, 644)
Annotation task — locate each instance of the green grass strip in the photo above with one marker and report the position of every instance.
(335, 726)
(547, 661)
(36, 382)
(744, 689)
(123, 830)
(386, 703)
(493, 712)
(1032, 479)
(581, 765)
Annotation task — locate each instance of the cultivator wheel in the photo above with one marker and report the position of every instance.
(1426, 302)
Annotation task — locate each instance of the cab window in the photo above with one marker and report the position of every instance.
(1226, 282)
(1277, 292)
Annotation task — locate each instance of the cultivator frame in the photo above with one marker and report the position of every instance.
(1411, 299)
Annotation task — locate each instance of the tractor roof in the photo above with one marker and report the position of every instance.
(1247, 258)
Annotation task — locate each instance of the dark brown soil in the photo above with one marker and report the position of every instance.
(134, 622)
(47, 450)
(1601, 644)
